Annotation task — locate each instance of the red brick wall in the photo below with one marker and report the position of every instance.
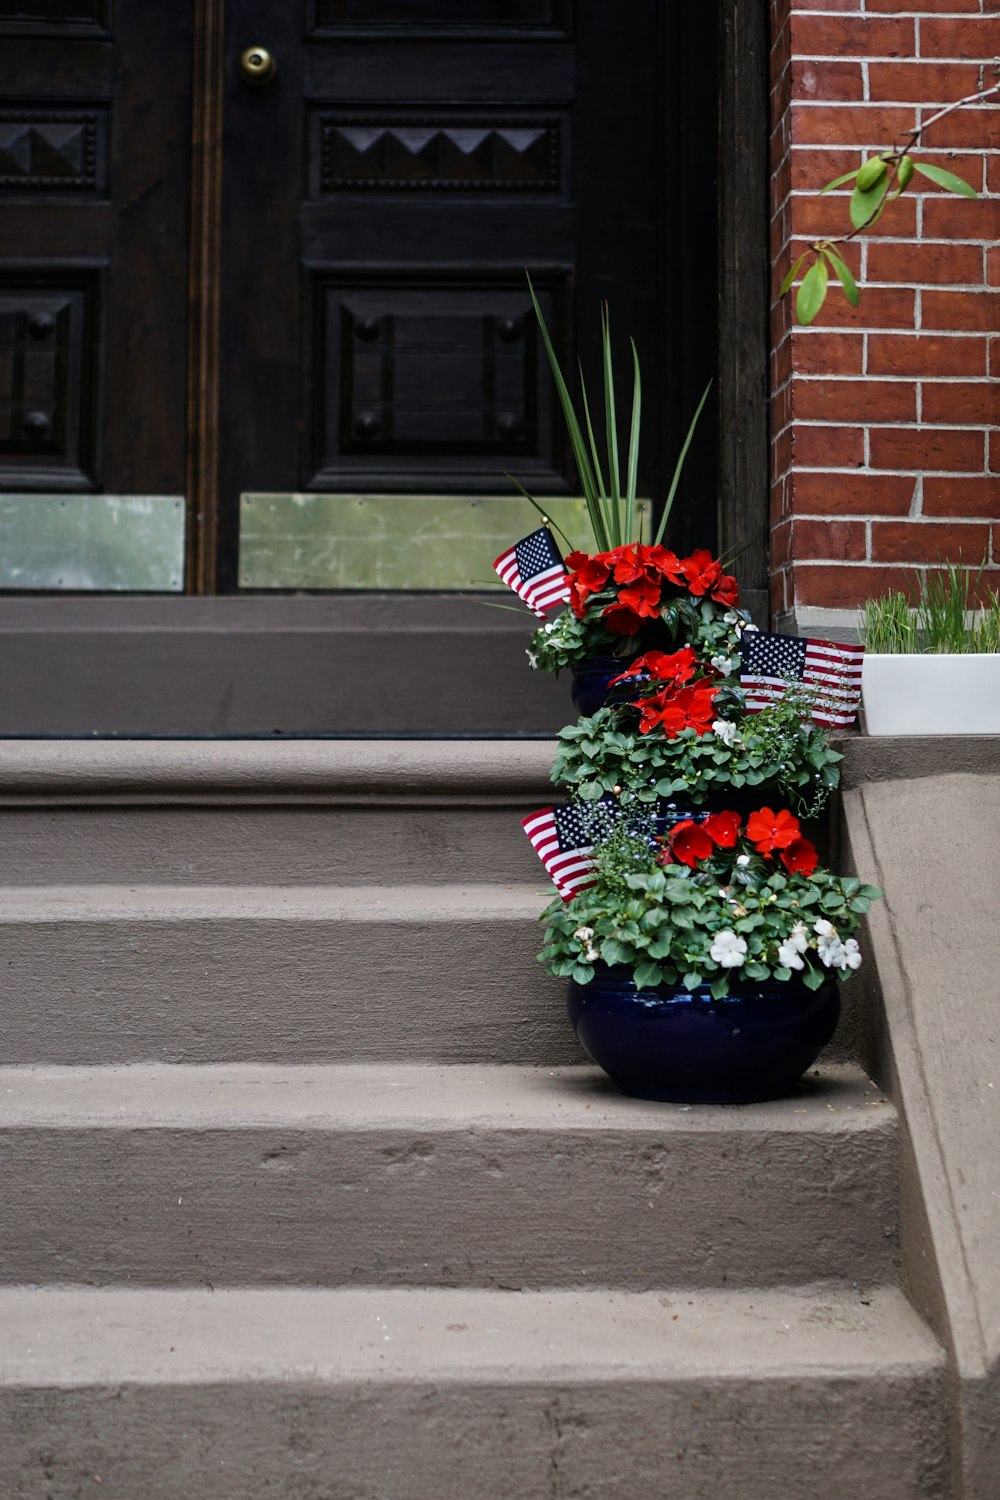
(885, 453)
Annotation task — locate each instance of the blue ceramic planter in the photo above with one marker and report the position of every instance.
(671, 1044)
(591, 688)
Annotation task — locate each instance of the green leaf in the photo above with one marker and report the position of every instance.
(614, 952)
(541, 511)
(866, 207)
(583, 973)
(839, 181)
(787, 283)
(691, 980)
(946, 179)
(782, 973)
(633, 433)
(587, 480)
(756, 971)
(812, 978)
(871, 173)
(720, 987)
(812, 293)
(647, 974)
(611, 424)
(843, 273)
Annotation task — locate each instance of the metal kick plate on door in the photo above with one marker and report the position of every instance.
(108, 543)
(447, 542)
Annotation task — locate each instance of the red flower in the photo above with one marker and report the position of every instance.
(675, 709)
(663, 666)
(726, 591)
(768, 831)
(701, 571)
(689, 842)
(723, 828)
(643, 597)
(621, 620)
(591, 574)
(799, 858)
(661, 560)
(627, 564)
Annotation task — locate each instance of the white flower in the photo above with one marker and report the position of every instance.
(724, 664)
(790, 956)
(584, 934)
(725, 731)
(798, 938)
(532, 660)
(731, 617)
(743, 859)
(824, 929)
(728, 950)
(751, 628)
(591, 955)
(852, 955)
(549, 626)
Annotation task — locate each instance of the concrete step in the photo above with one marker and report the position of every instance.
(250, 973)
(445, 1395)
(295, 813)
(419, 1175)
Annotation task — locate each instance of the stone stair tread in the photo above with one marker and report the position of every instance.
(74, 1336)
(141, 902)
(833, 1099)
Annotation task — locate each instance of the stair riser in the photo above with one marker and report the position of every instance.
(488, 1207)
(269, 845)
(271, 989)
(491, 1437)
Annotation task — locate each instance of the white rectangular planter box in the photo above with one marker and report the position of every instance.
(931, 694)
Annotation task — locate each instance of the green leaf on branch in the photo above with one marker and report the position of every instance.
(786, 284)
(812, 978)
(843, 273)
(839, 181)
(811, 295)
(946, 179)
(871, 173)
(866, 207)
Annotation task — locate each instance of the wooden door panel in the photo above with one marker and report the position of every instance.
(486, 19)
(430, 374)
(56, 17)
(94, 188)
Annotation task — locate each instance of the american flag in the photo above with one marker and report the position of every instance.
(534, 569)
(829, 671)
(561, 841)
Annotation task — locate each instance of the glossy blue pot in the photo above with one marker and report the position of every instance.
(673, 1044)
(591, 687)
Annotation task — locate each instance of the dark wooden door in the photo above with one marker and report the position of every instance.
(95, 140)
(383, 198)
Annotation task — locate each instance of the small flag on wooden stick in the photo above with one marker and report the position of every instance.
(534, 569)
(828, 671)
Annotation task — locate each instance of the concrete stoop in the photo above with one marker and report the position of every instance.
(307, 1194)
(416, 1394)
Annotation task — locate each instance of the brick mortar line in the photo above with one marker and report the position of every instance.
(894, 62)
(903, 333)
(899, 379)
(880, 518)
(909, 241)
(857, 469)
(891, 425)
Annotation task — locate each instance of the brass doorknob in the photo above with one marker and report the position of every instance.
(258, 67)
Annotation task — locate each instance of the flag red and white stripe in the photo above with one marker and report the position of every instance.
(534, 569)
(828, 671)
(558, 837)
